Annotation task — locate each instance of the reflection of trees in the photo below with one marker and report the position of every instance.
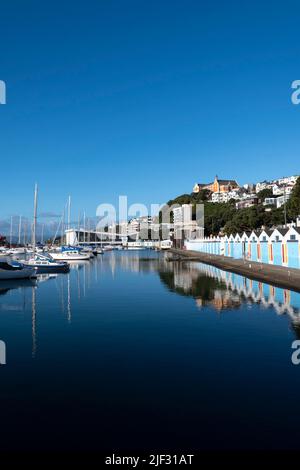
(187, 280)
(7, 285)
(295, 326)
(3, 291)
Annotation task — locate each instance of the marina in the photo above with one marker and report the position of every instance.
(149, 233)
(136, 339)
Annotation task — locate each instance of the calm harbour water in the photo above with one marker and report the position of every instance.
(130, 351)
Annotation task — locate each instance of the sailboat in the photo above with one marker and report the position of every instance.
(70, 253)
(14, 270)
(43, 263)
(46, 264)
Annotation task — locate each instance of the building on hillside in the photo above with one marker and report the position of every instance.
(270, 201)
(281, 200)
(278, 186)
(219, 197)
(263, 185)
(184, 226)
(247, 202)
(280, 189)
(217, 186)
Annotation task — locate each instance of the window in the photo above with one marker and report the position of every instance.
(293, 237)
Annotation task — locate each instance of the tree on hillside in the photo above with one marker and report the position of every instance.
(203, 195)
(216, 215)
(264, 193)
(183, 199)
(248, 219)
(293, 204)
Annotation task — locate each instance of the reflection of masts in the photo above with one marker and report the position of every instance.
(69, 300)
(78, 284)
(113, 264)
(62, 296)
(33, 323)
(84, 268)
(96, 271)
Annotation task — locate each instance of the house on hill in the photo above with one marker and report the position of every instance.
(217, 186)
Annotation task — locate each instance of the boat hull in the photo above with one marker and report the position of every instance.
(26, 273)
(70, 257)
(51, 269)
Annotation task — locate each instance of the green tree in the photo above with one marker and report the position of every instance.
(248, 219)
(293, 204)
(203, 195)
(264, 193)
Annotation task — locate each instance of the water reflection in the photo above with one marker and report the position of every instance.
(210, 287)
(6, 286)
(225, 291)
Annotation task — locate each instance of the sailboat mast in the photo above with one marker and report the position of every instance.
(10, 233)
(24, 234)
(20, 225)
(84, 227)
(78, 238)
(63, 226)
(69, 213)
(42, 235)
(34, 218)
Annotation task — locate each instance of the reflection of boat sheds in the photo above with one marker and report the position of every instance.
(235, 289)
(257, 292)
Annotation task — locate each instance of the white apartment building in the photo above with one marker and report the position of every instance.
(183, 222)
(276, 201)
(182, 214)
(220, 197)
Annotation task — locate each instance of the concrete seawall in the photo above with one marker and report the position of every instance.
(286, 278)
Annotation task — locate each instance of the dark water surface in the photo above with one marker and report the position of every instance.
(130, 351)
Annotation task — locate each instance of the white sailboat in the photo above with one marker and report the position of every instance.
(41, 262)
(70, 253)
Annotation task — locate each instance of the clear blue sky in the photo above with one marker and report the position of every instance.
(144, 98)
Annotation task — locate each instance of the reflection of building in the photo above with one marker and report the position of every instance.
(222, 290)
(222, 300)
(239, 289)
